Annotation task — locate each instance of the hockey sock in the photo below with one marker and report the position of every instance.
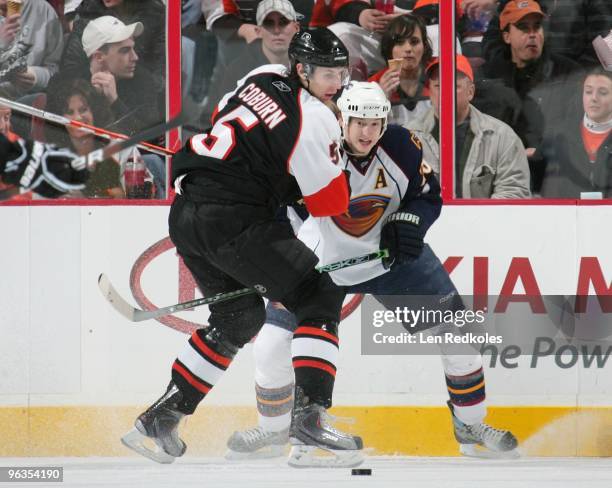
(273, 369)
(467, 394)
(200, 365)
(315, 353)
(274, 406)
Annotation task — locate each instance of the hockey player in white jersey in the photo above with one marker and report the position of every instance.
(395, 198)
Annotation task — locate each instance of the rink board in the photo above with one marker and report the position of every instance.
(72, 369)
(407, 430)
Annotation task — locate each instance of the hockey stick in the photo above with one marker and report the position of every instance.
(189, 113)
(136, 315)
(58, 119)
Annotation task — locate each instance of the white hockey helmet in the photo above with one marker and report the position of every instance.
(364, 100)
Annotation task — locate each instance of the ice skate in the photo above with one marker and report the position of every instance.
(256, 443)
(483, 441)
(158, 427)
(311, 432)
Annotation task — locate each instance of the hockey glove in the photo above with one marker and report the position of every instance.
(43, 168)
(402, 237)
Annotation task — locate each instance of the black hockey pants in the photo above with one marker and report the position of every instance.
(228, 247)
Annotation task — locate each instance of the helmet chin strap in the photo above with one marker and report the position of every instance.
(347, 150)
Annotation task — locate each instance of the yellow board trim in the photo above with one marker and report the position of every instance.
(404, 430)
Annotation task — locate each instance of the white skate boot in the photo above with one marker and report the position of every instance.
(158, 426)
(483, 441)
(310, 431)
(256, 443)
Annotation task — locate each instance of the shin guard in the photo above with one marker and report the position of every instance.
(314, 349)
(200, 365)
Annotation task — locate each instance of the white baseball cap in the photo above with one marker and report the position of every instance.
(283, 7)
(105, 30)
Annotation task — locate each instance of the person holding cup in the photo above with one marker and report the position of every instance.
(11, 25)
(407, 49)
(36, 24)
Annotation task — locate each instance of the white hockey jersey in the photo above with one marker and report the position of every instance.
(380, 185)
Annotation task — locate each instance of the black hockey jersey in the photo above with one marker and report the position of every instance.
(271, 143)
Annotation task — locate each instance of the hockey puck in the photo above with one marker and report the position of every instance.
(361, 472)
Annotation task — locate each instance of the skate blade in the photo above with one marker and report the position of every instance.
(135, 441)
(474, 450)
(303, 456)
(267, 452)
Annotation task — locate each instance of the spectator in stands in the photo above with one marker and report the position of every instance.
(571, 26)
(429, 11)
(151, 45)
(114, 70)
(490, 159)
(39, 27)
(579, 151)
(474, 8)
(276, 26)
(10, 26)
(541, 80)
(407, 49)
(356, 22)
(70, 7)
(78, 100)
(360, 27)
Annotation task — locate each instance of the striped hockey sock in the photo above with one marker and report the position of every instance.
(200, 365)
(315, 353)
(274, 406)
(467, 394)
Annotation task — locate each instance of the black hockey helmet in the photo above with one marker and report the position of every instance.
(318, 47)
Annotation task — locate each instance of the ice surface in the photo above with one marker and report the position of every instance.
(387, 472)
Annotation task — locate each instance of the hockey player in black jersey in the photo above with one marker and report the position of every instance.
(272, 143)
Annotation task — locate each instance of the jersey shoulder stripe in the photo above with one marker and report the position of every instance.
(404, 148)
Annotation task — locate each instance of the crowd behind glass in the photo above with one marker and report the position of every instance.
(533, 90)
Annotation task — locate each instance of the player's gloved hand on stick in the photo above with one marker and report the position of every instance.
(43, 168)
(402, 236)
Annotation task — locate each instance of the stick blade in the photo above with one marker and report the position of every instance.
(113, 297)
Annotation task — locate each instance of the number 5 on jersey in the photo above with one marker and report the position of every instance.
(219, 142)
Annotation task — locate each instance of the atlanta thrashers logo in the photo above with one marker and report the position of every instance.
(363, 214)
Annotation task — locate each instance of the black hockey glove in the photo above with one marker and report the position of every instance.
(43, 168)
(402, 237)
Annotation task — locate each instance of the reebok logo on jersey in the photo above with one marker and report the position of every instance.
(281, 86)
